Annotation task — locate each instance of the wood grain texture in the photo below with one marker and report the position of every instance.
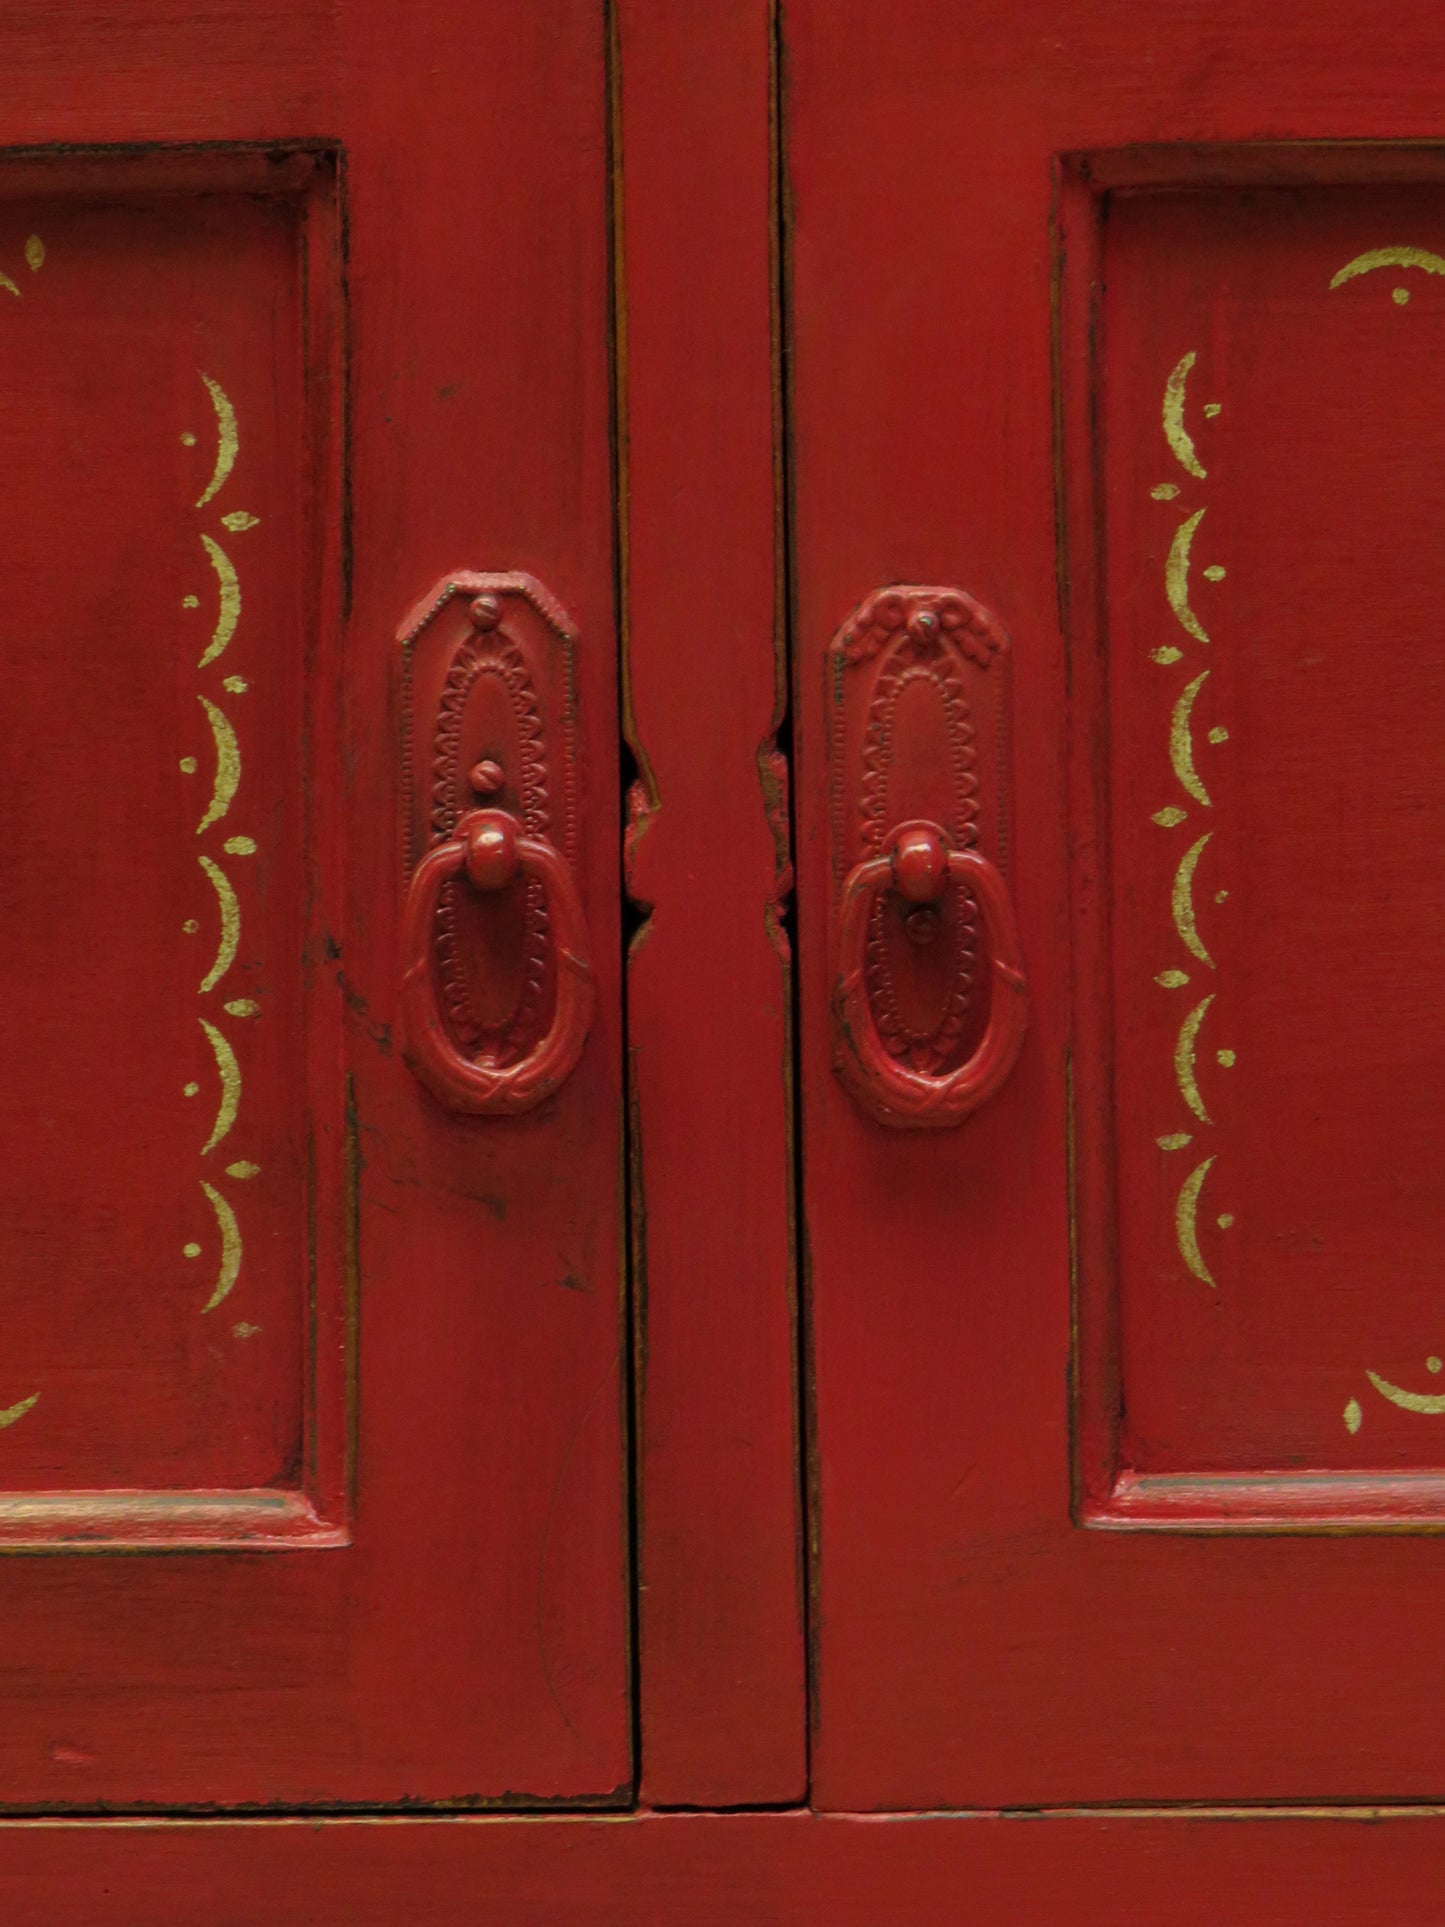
(974, 1643)
(470, 1644)
(709, 972)
(714, 1870)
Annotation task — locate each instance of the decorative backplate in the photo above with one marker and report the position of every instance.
(918, 708)
(490, 716)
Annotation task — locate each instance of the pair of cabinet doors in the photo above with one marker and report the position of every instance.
(722, 1069)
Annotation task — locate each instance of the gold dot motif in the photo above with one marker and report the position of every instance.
(191, 1251)
(189, 766)
(191, 1090)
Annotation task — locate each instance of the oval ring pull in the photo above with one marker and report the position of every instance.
(491, 849)
(920, 864)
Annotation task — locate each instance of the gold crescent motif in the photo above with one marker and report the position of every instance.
(230, 1246)
(230, 609)
(1181, 744)
(1183, 901)
(1430, 1403)
(227, 440)
(1176, 576)
(230, 923)
(228, 765)
(1389, 258)
(1185, 1222)
(13, 1412)
(1175, 433)
(1184, 1059)
(230, 1074)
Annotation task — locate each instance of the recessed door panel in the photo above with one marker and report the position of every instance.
(1268, 448)
(172, 1175)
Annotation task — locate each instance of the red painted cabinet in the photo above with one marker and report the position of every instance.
(722, 1056)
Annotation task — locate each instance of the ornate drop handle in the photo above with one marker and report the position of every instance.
(492, 850)
(919, 863)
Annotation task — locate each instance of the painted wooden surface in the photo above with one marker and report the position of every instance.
(709, 973)
(978, 1639)
(469, 1642)
(713, 1870)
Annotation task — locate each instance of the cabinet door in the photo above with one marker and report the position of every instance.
(311, 1466)
(1117, 359)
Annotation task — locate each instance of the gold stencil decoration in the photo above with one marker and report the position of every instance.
(226, 785)
(1181, 744)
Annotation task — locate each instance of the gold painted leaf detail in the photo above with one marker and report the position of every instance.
(1186, 1222)
(229, 611)
(229, 1072)
(1182, 901)
(1175, 433)
(227, 439)
(1184, 1058)
(1432, 1404)
(230, 923)
(1400, 257)
(230, 1269)
(1176, 576)
(228, 766)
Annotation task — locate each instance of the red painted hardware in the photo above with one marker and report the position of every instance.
(490, 848)
(919, 865)
(497, 991)
(918, 694)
